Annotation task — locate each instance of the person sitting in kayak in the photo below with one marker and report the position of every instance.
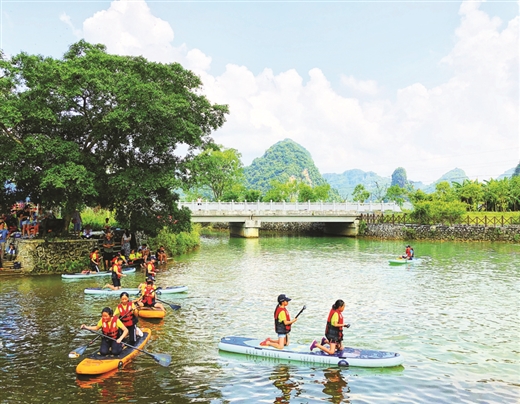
(282, 324)
(333, 330)
(407, 254)
(125, 312)
(112, 327)
(148, 292)
(117, 273)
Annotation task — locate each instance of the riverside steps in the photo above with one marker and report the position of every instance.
(246, 218)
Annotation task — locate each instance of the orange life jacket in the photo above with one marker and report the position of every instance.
(110, 328)
(149, 294)
(126, 314)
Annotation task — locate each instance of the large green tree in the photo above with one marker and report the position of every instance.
(218, 169)
(100, 129)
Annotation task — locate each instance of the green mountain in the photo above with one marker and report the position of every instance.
(282, 161)
(455, 175)
(346, 182)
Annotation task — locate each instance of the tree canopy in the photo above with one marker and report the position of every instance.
(100, 129)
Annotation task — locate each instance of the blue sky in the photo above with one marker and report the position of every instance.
(428, 86)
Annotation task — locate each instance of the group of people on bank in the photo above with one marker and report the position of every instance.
(330, 343)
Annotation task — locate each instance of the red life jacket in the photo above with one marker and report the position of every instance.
(110, 329)
(116, 269)
(281, 328)
(126, 319)
(94, 256)
(149, 294)
(150, 268)
(332, 331)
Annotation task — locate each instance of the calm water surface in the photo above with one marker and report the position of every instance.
(454, 316)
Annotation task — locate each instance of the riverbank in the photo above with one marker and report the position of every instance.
(509, 234)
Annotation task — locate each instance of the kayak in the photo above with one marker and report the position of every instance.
(97, 364)
(347, 357)
(79, 275)
(147, 312)
(402, 261)
(134, 291)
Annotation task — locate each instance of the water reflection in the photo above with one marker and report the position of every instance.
(113, 386)
(282, 380)
(336, 386)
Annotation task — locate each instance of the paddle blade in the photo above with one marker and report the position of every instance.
(162, 359)
(78, 352)
(175, 306)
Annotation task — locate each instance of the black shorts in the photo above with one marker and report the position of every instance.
(334, 340)
(107, 256)
(116, 281)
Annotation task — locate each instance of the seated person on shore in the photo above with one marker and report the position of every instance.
(11, 252)
(136, 257)
(145, 251)
(87, 232)
(161, 255)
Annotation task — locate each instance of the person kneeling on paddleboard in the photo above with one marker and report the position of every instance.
(112, 327)
(125, 312)
(282, 324)
(333, 330)
(147, 299)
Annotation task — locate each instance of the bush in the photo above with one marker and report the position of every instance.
(438, 212)
(96, 218)
(176, 243)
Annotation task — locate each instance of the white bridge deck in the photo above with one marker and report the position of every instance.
(283, 211)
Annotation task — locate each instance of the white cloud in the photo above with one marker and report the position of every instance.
(64, 17)
(368, 87)
(426, 130)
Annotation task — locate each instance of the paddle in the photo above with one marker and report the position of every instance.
(161, 359)
(300, 312)
(76, 353)
(173, 306)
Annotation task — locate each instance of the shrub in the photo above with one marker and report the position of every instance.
(176, 243)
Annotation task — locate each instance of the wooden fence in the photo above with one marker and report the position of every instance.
(374, 218)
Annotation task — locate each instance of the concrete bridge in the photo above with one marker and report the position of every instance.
(245, 218)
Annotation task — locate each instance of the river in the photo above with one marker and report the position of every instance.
(454, 316)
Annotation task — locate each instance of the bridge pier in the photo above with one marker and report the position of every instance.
(247, 229)
(342, 229)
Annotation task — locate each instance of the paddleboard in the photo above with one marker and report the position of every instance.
(134, 291)
(97, 364)
(79, 275)
(147, 312)
(357, 357)
(402, 261)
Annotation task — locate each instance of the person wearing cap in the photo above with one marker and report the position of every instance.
(282, 324)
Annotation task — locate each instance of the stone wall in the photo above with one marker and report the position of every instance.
(40, 256)
(445, 233)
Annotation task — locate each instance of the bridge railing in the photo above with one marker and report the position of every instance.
(195, 206)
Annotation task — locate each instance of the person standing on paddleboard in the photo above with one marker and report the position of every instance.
(333, 330)
(282, 324)
(112, 327)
